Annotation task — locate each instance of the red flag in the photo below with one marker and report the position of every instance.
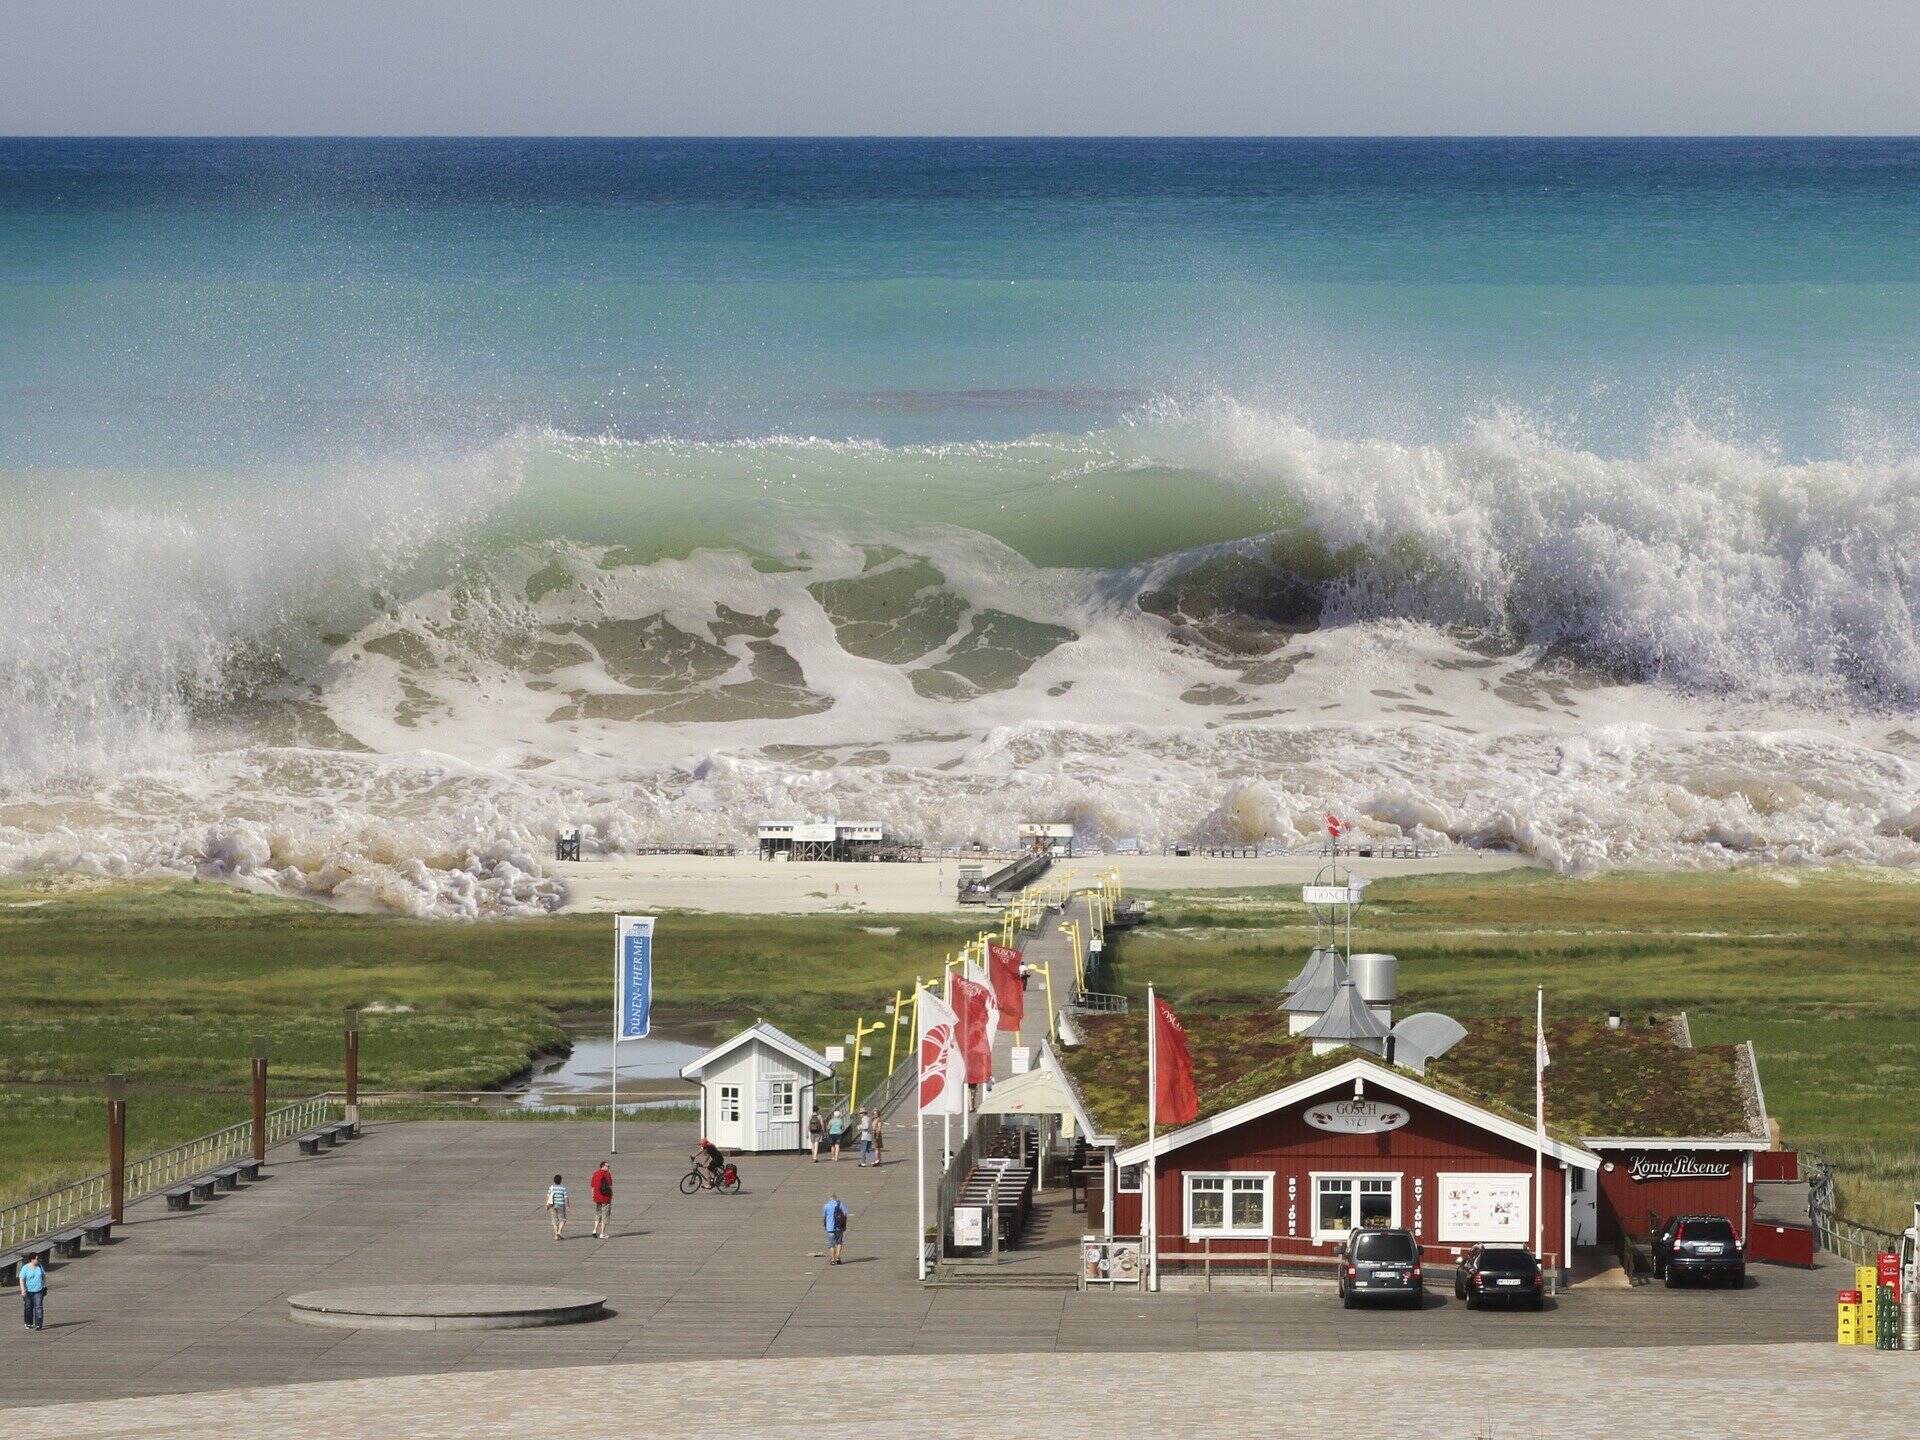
(1003, 964)
(971, 1004)
(1175, 1101)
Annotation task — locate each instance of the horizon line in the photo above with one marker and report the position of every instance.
(745, 137)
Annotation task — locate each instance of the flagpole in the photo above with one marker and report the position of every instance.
(613, 1080)
(1150, 1196)
(946, 1118)
(1539, 1120)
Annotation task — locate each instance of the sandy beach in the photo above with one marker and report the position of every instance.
(745, 885)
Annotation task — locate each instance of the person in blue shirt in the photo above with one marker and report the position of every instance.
(33, 1291)
(834, 1215)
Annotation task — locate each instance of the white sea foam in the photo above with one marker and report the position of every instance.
(1699, 655)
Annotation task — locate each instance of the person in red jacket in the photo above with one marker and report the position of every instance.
(600, 1187)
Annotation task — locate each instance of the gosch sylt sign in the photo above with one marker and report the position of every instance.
(1355, 1117)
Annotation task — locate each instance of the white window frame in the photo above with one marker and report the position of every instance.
(728, 1095)
(1228, 1230)
(783, 1100)
(1314, 1177)
(1139, 1169)
(1522, 1178)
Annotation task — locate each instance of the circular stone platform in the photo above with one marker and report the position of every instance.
(445, 1307)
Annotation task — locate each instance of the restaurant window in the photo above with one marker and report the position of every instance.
(1346, 1202)
(1130, 1178)
(1229, 1206)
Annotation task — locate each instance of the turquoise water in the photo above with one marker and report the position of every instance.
(370, 510)
(228, 302)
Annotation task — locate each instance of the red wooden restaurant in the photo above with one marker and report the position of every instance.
(1321, 1114)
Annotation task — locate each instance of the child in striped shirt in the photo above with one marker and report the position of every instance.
(557, 1208)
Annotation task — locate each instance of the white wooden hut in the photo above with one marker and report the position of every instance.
(756, 1090)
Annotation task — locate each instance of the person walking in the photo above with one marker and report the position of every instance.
(816, 1127)
(600, 1187)
(879, 1140)
(835, 1128)
(557, 1207)
(866, 1139)
(834, 1216)
(33, 1292)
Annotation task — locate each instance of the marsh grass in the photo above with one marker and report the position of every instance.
(169, 982)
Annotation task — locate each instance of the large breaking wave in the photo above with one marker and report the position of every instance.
(393, 681)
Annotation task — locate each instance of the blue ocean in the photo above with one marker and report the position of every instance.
(371, 510)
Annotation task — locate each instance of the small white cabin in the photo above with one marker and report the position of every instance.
(756, 1090)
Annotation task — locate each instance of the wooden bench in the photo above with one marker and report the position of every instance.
(249, 1170)
(310, 1144)
(67, 1243)
(179, 1196)
(227, 1177)
(201, 1186)
(98, 1232)
(341, 1131)
(10, 1270)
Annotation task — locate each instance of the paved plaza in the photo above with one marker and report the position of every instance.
(197, 1302)
(1771, 1391)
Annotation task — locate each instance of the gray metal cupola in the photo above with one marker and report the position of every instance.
(1347, 1021)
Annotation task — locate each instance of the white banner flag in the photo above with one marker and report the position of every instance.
(942, 1067)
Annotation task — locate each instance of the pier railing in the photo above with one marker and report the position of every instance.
(41, 1215)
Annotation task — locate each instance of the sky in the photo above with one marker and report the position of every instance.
(962, 67)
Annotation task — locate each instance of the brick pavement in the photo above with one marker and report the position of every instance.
(1742, 1391)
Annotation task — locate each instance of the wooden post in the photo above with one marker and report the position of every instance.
(353, 1064)
(260, 1098)
(117, 1148)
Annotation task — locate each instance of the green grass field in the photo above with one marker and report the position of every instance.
(168, 983)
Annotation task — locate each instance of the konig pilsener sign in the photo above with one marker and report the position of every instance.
(1678, 1167)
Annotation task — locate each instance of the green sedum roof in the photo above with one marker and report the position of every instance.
(1601, 1082)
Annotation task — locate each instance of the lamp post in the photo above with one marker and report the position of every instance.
(260, 1098)
(860, 1032)
(353, 1064)
(117, 1147)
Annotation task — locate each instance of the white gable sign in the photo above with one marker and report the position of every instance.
(1355, 1117)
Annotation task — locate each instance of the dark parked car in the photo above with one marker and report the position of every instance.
(1501, 1274)
(1699, 1247)
(1380, 1265)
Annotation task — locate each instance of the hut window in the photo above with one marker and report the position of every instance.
(783, 1107)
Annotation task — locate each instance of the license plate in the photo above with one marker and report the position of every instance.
(1506, 1282)
(1709, 1249)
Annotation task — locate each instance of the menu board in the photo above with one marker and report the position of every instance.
(1485, 1208)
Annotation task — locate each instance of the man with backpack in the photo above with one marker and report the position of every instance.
(834, 1215)
(600, 1187)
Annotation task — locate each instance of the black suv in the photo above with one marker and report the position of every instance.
(1703, 1247)
(1380, 1265)
(1503, 1274)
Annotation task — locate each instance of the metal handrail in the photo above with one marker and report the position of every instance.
(40, 1215)
(1833, 1232)
(1095, 1003)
